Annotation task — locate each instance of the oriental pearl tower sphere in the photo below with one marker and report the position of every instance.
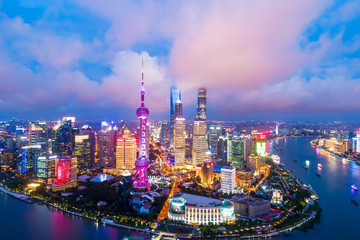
(142, 163)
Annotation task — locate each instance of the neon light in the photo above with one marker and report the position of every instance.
(63, 172)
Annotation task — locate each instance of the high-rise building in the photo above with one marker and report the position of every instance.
(62, 142)
(106, 145)
(179, 135)
(29, 157)
(165, 134)
(142, 163)
(175, 94)
(63, 168)
(84, 148)
(237, 151)
(201, 105)
(199, 142)
(254, 163)
(83, 152)
(38, 135)
(46, 166)
(222, 150)
(228, 179)
(215, 132)
(126, 151)
(206, 173)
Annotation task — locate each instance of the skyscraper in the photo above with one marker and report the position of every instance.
(62, 142)
(228, 179)
(201, 105)
(165, 134)
(106, 145)
(179, 135)
(215, 132)
(38, 134)
(29, 158)
(199, 131)
(237, 151)
(126, 151)
(142, 163)
(46, 166)
(199, 142)
(175, 94)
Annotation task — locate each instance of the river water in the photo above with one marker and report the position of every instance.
(340, 218)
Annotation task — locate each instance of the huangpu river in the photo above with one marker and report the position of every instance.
(340, 219)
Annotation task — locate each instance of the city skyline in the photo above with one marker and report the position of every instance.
(74, 58)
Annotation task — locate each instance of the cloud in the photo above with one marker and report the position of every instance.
(252, 56)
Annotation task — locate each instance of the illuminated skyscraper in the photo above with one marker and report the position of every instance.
(179, 135)
(106, 145)
(175, 94)
(237, 151)
(201, 105)
(199, 131)
(215, 132)
(126, 151)
(38, 134)
(142, 163)
(46, 166)
(228, 179)
(165, 134)
(29, 158)
(199, 142)
(62, 142)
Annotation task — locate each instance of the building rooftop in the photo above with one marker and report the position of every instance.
(253, 201)
(200, 200)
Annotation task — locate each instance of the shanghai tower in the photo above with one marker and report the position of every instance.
(142, 163)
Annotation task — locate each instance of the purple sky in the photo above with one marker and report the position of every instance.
(258, 59)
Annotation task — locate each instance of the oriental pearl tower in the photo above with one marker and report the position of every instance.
(142, 163)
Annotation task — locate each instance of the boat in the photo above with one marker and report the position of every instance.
(353, 187)
(295, 160)
(319, 165)
(318, 174)
(354, 202)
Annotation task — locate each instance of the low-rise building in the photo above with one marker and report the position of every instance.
(250, 206)
(194, 209)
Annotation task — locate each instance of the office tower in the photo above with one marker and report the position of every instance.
(71, 119)
(84, 148)
(201, 105)
(165, 134)
(9, 157)
(62, 142)
(228, 148)
(357, 142)
(179, 135)
(248, 142)
(46, 166)
(222, 150)
(215, 132)
(38, 135)
(228, 179)
(175, 94)
(29, 157)
(106, 145)
(21, 139)
(206, 173)
(199, 142)
(237, 151)
(277, 129)
(254, 163)
(142, 163)
(126, 151)
(83, 151)
(73, 166)
(63, 171)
